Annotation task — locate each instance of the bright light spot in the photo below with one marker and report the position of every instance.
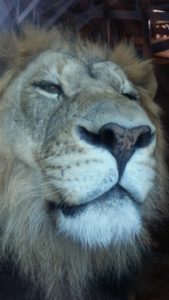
(158, 10)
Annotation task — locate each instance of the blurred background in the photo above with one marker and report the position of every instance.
(144, 22)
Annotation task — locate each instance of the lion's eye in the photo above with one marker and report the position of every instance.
(130, 96)
(48, 86)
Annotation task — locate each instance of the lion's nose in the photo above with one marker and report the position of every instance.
(120, 141)
(123, 142)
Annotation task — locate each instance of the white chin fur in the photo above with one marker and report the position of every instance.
(103, 224)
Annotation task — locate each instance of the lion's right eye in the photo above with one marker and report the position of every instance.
(130, 96)
(48, 86)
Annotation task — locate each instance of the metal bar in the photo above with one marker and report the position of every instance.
(82, 19)
(5, 10)
(27, 11)
(60, 11)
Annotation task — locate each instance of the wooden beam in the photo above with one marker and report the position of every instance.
(159, 16)
(125, 14)
(146, 27)
(160, 46)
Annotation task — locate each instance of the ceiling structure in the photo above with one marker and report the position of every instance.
(144, 22)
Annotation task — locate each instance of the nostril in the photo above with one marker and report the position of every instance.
(107, 137)
(88, 136)
(117, 139)
(144, 139)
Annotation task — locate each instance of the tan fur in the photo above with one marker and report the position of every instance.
(26, 231)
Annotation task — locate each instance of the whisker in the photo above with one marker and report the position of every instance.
(41, 158)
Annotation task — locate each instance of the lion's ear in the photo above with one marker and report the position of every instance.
(140, 72)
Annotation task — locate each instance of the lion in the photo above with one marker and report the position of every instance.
(82, 163)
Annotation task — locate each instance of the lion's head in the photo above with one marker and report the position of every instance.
(81, 152)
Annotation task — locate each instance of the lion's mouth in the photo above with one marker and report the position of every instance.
(70, 210)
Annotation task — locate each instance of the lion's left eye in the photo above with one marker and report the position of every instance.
(130, 96)
(48, 87)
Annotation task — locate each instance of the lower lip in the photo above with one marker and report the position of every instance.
(117, 191)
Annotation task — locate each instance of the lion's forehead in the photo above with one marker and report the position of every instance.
(76, 73)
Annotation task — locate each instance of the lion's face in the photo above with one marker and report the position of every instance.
(80, 123)
(81, 160)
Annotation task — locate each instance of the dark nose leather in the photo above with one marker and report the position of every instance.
(123, 142)
(120, 141)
